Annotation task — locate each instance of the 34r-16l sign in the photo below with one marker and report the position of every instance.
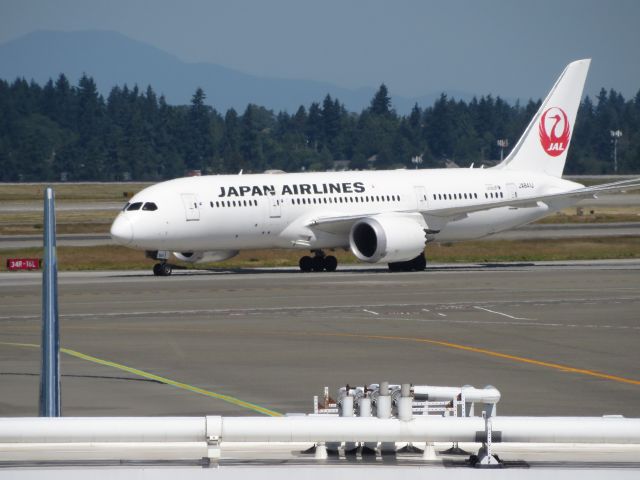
(23, 264)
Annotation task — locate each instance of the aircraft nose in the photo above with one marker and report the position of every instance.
(122, 230)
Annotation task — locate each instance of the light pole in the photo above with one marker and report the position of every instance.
(615, 135)
(502, 143)
(417, 160)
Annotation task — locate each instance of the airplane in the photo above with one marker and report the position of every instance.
(381, 216)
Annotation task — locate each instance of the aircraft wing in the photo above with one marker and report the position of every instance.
(337, 224)
(342, 224)
(533, 201)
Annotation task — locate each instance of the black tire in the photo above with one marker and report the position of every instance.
(166, 269)
(330, 263)
(306, 263)
(157, 269)
(317, 264)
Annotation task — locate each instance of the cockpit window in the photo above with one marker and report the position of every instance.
(134, 206)
(126, 206)
(150, 206)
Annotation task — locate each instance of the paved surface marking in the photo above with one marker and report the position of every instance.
(556, 366)
(500, 313)
(167, 381)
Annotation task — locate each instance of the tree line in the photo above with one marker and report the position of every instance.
(64, 132)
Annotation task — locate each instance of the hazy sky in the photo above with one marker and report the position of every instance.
(512, 48)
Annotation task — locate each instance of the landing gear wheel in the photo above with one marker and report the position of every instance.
(317, 264)
(306, 263)
(166, 269)
(330, 263)
(162, 269)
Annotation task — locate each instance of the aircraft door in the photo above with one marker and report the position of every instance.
(421, 197)
(191, 210)
(275, 206)
(512, 191)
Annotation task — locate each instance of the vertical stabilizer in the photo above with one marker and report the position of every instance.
(544, 144)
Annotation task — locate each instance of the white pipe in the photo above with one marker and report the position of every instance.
(346, 406)
(362, 429)
(487, 394)
(364, 407)
(102, 429)
(438, 429)
(404, 405)
(567, 429)
(318, 429)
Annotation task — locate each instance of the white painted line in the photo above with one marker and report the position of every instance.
(442, 314)
(370, 311)
(426, 310)
(503, 314)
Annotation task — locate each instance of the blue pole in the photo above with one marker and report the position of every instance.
(50, 367)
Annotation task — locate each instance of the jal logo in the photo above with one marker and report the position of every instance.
(554, 131)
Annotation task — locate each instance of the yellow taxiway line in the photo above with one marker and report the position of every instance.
(556, 366)
(158, 378)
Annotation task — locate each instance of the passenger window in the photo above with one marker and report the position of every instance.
(134, 206)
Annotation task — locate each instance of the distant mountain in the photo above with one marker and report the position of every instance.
(114, 59)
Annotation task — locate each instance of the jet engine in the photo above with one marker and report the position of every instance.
(215, 256)
(388, 238)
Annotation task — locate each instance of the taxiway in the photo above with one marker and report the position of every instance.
(555, 338)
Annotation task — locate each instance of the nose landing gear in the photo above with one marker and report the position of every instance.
(161, 269)
(318, 263)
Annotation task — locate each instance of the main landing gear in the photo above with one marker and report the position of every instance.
(417, 264)
(162, 269)
(318, 263)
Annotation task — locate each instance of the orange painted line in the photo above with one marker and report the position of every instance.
(515, 358)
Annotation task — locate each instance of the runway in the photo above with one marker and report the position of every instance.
(556, 338)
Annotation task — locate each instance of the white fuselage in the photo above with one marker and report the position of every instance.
(236, 212)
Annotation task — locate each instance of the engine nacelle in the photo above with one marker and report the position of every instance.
(215, 256)
(388, 238)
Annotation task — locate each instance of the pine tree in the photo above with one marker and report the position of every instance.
(381, 102)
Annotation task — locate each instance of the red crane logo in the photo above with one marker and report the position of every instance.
(554, 131)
